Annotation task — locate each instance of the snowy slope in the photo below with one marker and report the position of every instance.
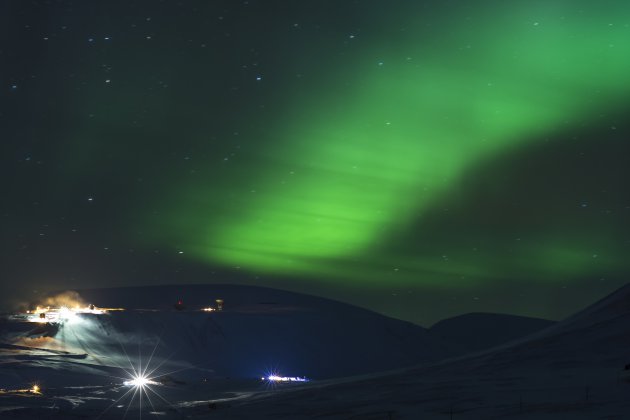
(478, 331)
(598, 337)
(571, 370)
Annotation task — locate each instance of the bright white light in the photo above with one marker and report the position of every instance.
(67, 315)
(140, 381)
(277, 378)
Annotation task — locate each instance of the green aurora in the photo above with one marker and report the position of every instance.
(352, 167)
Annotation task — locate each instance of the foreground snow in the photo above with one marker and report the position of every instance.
(571, 370)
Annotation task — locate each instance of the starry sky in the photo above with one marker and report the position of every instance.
(418, 158)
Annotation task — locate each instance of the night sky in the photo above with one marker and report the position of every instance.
(418, 158)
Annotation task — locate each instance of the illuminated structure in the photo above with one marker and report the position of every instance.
(62, 314)
(276, 378)
(219, 304)
(35, 389)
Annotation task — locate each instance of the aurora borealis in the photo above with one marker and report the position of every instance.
(346, 175)
(353, 149)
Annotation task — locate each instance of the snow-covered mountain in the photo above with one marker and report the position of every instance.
(259, 331)
(575, 369)
(597, 337)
